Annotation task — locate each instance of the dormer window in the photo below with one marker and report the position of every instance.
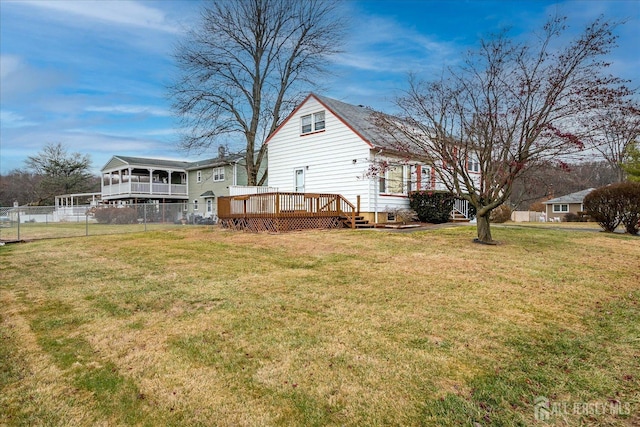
(312, 123)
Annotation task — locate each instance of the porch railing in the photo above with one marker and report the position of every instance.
(461, 207)
(144, 188)
(285, 205)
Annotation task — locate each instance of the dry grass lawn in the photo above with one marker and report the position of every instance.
(198, 326)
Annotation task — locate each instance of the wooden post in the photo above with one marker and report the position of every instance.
(277, 204)
(358, 204)
(353, 218)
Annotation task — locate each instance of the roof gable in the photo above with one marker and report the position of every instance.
(360, 119)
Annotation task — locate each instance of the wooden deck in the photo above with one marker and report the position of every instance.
(277, 212)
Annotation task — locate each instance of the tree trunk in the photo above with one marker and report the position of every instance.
(484, 230)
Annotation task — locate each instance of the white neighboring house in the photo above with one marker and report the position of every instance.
(328, 146)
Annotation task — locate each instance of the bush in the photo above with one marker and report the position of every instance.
(432, 206)
(500, 214)
(571, 217)
(116, 215)
(615, 204)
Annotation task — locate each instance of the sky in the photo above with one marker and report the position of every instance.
(93, 75)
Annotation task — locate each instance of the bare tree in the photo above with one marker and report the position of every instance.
(60, 172)
(616, 129)
(19, 186)
(507, 108)
(245, 65)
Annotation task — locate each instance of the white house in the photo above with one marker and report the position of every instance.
(328, 146)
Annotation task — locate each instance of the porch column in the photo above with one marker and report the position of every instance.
(169, 180)
(130, 176)
(150, 181)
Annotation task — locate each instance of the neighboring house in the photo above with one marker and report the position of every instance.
(558, 208)
(196, 185)
(127, 180)
(211, 178)
(328, 146)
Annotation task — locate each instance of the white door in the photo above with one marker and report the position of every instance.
(299, 180)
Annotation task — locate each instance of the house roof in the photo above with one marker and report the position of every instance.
(576, 197)
(173, 164)
(358, 118)
(215, 162)
(143, 161)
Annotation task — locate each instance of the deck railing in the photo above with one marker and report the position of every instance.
(285, 205)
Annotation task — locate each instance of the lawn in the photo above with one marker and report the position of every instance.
(200, 326)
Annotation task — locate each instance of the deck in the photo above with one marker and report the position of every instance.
(277, 212)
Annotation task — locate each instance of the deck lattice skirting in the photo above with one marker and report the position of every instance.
(277, 225)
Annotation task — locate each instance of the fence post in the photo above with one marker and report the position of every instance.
(144, 216)
(18, 224)
(86, 223)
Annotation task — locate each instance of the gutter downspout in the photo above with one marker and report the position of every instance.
(376, 189)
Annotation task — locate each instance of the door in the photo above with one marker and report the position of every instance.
(299, 180)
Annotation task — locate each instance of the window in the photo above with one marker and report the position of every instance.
(473, 165)
(209, 205)
(561, 208)
(306, 124)
(185, 205)
(318, 121)
(391, 216)
(393, 181)
(312, 122)
(199, 176)
(218, 174)
(195, 205)
(425, 178)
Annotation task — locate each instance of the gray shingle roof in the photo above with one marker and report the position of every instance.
(217, 161)
(361, 119)
(179, 164)
(143, 161)
(576, 197)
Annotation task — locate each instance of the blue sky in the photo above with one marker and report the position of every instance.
(92, 74)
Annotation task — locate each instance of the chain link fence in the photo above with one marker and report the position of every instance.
(44, 222)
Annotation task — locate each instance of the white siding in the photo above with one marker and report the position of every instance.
(327, 157)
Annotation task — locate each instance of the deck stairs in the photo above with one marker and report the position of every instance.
(360, 222)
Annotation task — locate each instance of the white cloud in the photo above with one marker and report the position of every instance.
(9, 64)
(124, 12)
(131, 109)
(392, 47)
(9, 119)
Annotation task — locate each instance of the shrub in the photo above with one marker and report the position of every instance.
(630, 193)
(571, 217)
(116, 215)
(615, 204)
(432, 206)
(500, 214)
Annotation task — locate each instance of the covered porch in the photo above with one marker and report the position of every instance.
(128, 180)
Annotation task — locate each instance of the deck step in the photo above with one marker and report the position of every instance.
(359, 222)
